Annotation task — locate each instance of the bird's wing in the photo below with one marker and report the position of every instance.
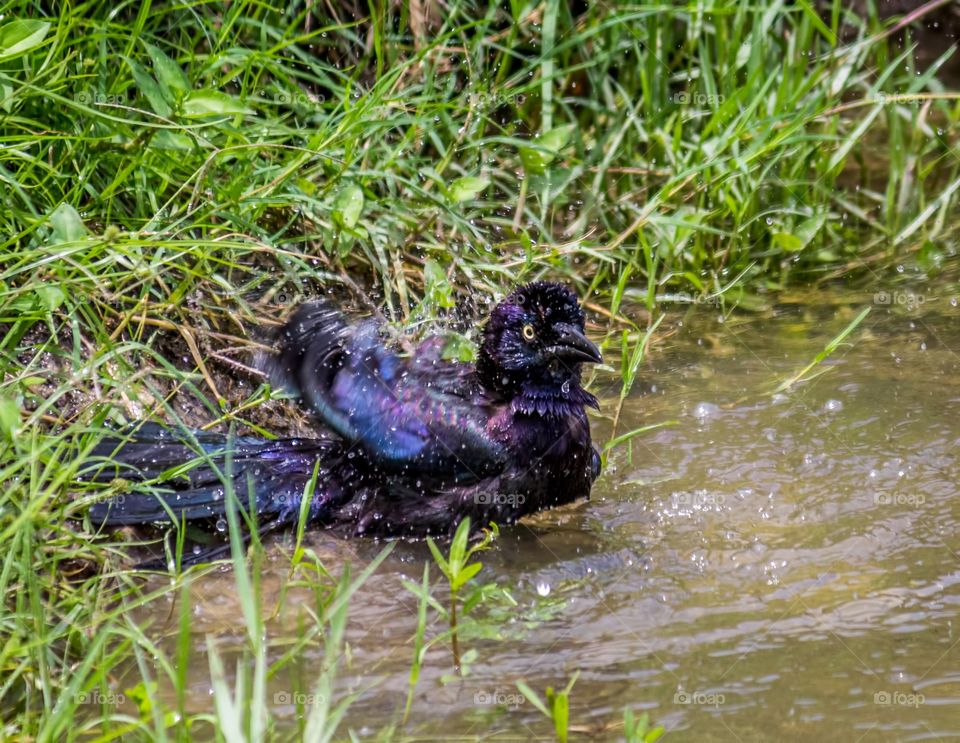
(421, 419)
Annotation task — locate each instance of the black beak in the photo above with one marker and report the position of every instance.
(573, 346)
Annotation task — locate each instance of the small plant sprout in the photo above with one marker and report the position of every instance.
(556, 707)
(459, 571)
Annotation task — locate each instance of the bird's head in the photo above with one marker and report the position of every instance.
(535, 336)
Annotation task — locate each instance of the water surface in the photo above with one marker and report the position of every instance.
(770, 567)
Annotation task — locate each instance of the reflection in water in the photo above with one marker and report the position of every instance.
(773, 566)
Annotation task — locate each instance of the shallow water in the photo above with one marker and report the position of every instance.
(770, 567)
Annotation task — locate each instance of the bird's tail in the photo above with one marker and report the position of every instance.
(162, 477)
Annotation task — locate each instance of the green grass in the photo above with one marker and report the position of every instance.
(173, 177)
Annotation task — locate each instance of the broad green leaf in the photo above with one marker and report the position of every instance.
(555, 139)
(51, 297)
(348, 205)
(545, 148)
(654, 735)
(809, 228)
(6, 97)
(67, 224)
(307, 186)
(20, 36)
(464, 189)
(9, 417)
(148, 86)
(201, 103)
(797, 240)
(166, 139)
(466, 575)
(458, 545)
(787, 241)
(169, 74)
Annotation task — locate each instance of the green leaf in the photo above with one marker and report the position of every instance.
(929, 257)
(531, 696)
(467, 188)
(809, 228)
(788, 242)
(545, 149)
(200, 103)
(6, 97)
(166, 139)
(458, 545)
(169, 74)
(561, 716)
(20, 36)
(439, 558)
(151, 91)
(307, 186)
(458, 347)
(348, 206)
(654, 735)
(436, 287)
(480, 593)
(67, 225)
(51, 297)
(9, 417)
(797, 240)
(465, 575)
(142, 694)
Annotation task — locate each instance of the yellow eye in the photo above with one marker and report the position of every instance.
(529, 333)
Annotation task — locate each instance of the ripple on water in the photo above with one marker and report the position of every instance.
(787, 559)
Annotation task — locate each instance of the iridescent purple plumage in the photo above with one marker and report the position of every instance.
(417, 443)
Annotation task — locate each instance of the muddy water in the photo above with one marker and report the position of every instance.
(769, 567)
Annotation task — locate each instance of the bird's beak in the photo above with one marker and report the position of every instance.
(573, 346)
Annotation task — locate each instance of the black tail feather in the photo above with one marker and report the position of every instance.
(189, 477)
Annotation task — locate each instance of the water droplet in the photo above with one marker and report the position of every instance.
(704, 410)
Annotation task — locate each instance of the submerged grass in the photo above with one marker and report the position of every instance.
(174, 177)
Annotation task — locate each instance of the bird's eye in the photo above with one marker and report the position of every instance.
(529, 333)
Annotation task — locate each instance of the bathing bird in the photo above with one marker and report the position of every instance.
(406, 445)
